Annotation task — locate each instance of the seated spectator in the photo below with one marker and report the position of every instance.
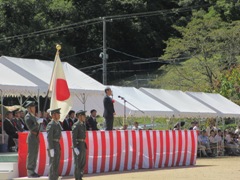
(201, 148)
(17, 121)
(220, 145)
(177, 127)
(213, 142)
(136, 126)
(237, 131)
(1, 134)
(11, 131)
(192, 125)
(210, 128)
(91, 123)
(204, 141)
(230, 144)
(125, 127)
(22, 116)
(196, 127)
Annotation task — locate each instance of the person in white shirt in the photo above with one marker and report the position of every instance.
(196, 127)
(238, 130)
(219, 140)
(136, 127)
(213, 142)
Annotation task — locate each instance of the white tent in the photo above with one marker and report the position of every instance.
(12, 84)
(182, 104)
(37, 74)
(40, 71)
(138, 103)
(87, 93)
(223, 106)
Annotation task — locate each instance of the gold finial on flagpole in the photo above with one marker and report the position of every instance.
(58, 47)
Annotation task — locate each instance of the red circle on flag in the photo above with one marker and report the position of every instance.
(62, 91)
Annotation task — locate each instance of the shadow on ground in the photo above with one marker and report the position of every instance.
(140, 170)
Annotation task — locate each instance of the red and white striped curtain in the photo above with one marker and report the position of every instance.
(118, 151)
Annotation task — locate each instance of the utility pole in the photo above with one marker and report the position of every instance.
(104, 53)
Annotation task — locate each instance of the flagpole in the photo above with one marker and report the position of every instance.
(58, 47)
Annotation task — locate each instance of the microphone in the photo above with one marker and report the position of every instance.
(120, 97)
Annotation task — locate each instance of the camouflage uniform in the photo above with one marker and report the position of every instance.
(53, 136)
(78, 141)
(33, 143)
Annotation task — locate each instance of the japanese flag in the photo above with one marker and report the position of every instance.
(61, 97)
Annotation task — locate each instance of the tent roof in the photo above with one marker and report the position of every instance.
(135, 97)
(11, 83)
(182, 104)
(40, 71)
(223, 106)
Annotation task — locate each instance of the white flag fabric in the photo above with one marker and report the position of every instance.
(61, 97)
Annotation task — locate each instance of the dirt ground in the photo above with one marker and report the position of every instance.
(220, 168)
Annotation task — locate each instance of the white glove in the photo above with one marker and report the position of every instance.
(51, 152)
(76, 151)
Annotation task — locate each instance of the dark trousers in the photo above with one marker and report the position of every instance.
(80, 161)
(109, 123)
(33, 144)
(54, 162)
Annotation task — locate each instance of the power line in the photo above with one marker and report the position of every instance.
(49, 31)
(85, 52)
(99, 20)
(130, 55)
(155, 13)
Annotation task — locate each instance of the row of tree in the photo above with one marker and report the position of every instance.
(197, 39)
(205, 56)
(30, 28)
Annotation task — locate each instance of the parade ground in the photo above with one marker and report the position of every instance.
(219, 168)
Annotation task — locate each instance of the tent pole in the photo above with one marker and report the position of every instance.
(3, 133)
(45, 103)
(20, 100)
(38, 99)
(84, 102)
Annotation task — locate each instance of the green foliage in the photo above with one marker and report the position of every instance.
(208, 46)
(28, 16)
(229, 84)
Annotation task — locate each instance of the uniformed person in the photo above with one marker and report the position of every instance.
(53, 137)
(33, 139)
(79, 145)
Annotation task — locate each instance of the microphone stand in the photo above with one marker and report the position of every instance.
(125, 101)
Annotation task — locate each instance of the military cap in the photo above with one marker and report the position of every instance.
(29, 103)
(52, 111)
(81, 112)
(16, 111)
(8, 112)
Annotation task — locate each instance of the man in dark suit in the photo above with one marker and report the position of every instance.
(68, 122)
(18, 124)
(11, 130)
(22, 116)
(109, 111)
(91, 123)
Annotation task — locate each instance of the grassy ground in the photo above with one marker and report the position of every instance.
(220, 168)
